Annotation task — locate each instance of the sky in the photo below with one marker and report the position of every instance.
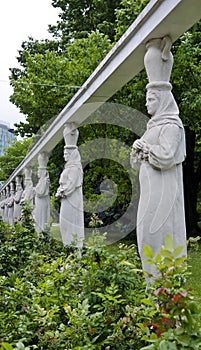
(19, 19)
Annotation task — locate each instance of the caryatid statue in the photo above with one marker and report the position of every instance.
(7, 195)
(2, 203)
(42, 198)
(10, 204)
(158, 155)
(28, 193)
(17, 198)
(70, 191)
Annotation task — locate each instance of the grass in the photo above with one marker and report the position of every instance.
(194, 267)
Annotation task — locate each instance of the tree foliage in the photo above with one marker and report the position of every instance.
(12, 157)
(80, 17)
(49, 80)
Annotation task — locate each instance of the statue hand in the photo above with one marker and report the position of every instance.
(138, 145)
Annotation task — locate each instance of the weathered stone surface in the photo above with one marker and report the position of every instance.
(158, 155)
(42, 198)
(70, 192)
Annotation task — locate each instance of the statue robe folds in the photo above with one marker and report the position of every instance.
(42, 203)
(161, 204)
(71, 211)
(17, 206)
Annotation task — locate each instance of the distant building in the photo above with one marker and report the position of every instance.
(6, 136)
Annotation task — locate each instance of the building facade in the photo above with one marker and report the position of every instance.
(6, 136)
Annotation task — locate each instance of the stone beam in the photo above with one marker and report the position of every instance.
(123, 62)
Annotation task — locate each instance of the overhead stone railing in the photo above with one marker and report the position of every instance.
(160, 18)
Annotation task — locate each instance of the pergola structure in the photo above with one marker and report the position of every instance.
(122, 63)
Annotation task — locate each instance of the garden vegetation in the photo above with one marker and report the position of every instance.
(51, 299)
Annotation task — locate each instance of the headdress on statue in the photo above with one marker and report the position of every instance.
(28, 173)
(43, 158)
(18, 180)
(12, 187)
(70, 134)
(158, 62)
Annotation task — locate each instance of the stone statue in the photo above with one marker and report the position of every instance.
(42, 198)
(2, 204)
(28, 193)
(7, 195)
(10, 204)
(17, 198)
(158, 155)
(70, 192)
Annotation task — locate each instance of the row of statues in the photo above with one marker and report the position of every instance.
(157, 155)
(15, 196)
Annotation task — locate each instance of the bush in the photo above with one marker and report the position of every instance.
(53, 300)
(172, 318)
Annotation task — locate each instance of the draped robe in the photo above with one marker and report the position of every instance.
(161, 204)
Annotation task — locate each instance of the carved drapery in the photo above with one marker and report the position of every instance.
(70, 191)
(42, 198)
(158, 156)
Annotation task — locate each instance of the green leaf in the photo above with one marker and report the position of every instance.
(178, 251)
(148, 252)
(166, 253)
(184, 340)
(166, 345)
(6, 346)
(148, 302)
(149, 347)
(169, 243)
(158, 258)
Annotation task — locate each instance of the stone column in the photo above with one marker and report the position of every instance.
(70, 191)
(159, 155)
(28, 193)
(42, 198)
(10, 204)
(17, 198)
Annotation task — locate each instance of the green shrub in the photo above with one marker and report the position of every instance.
(172, 318)
(53, 300)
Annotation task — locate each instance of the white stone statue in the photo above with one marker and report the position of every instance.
(158, 155)
(2, 203)
(70, 192)
(42, 198)
(17, 198)
(7, 195)
(28, 193)
(10, 204)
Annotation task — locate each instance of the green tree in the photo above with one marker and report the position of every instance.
(127, 12)
(186, 87)
(12, 157)
(49, 80)
(78, 18)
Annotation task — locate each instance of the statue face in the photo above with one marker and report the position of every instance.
(67, 153)
(152, 102)
(41, 172)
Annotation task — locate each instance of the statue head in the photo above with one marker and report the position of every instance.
(152, 101)
(67, 152)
